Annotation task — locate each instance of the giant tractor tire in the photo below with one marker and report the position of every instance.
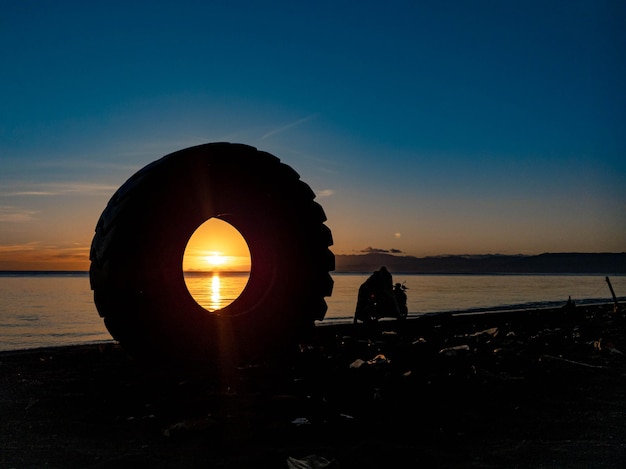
(137, 252)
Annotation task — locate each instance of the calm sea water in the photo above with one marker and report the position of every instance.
(52, 309)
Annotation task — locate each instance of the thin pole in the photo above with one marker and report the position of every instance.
(615, 303)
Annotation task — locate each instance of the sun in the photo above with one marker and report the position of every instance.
(216, 245)
(215, 259)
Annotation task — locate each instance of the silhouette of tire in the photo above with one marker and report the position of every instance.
(137, 250)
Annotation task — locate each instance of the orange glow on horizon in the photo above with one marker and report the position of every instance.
(216, 259)
(36, 256)
(216, 246)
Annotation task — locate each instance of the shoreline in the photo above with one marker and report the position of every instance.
(342, 323)
(450, 391)
(332, 322)
(521, 309)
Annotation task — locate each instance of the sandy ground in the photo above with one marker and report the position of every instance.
(526, 390)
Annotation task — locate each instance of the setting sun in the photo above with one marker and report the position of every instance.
(217, 264)
(216, 246)
(216, 259)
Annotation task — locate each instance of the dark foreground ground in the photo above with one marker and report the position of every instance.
(528, 390)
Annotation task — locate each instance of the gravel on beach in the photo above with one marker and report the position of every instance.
(525, 389)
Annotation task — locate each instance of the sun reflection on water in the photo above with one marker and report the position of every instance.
(215, 290)
(215, 295)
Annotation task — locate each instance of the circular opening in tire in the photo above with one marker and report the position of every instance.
(139, 243)
(216, 264)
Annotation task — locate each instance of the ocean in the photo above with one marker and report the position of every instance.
(44, 309)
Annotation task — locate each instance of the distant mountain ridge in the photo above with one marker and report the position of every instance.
(558, 263)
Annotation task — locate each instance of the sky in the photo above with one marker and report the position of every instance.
(424, 127)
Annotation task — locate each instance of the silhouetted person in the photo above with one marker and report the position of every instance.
(399, 292)
(376, 298)
(386, 278)
(570, 307)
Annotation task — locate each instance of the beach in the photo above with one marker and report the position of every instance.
(539, 388)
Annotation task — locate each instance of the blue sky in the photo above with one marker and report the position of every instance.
(430, 127)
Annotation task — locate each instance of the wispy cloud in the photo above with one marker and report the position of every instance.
(56, 189)
(28, 193)
(10, 214)
(120, 162)
(291, 125)
(371, 250)
(19, 248)
(325, 193)
(49, 250)
(39, 256)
